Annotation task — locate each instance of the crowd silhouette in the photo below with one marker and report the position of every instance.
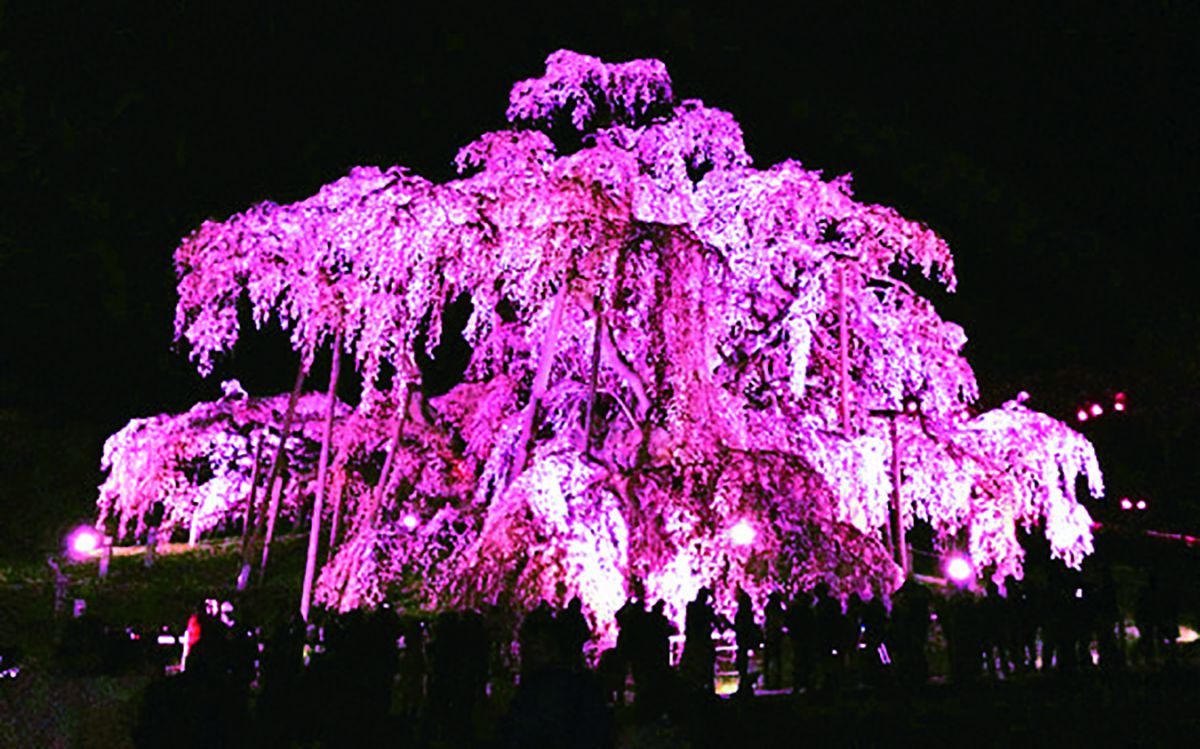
(493, 678)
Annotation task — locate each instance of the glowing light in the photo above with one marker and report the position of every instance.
(1186, 635)
(1082, 415)
(1126, 503)
(959, 569)
(1097, 409)
(411, 522)
(742, 533)
(83, 541)
(1141, 504)
(1118, 406)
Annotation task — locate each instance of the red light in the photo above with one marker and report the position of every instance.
(1126, 504)
(1082, 415)
(1119, 397)
(1141, 504)
(1097, 409)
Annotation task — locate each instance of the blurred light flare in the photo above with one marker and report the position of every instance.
(742, 533)
(410, 522)
(1141, 504)
(1097, 409)
(83, 541)
(959, 569)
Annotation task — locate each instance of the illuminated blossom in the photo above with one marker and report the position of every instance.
(665, 341)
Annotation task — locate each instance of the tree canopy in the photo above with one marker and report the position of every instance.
(665, 342)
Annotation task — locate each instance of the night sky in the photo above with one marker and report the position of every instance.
(1055, 153)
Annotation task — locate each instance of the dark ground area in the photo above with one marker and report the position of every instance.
(1142, 709)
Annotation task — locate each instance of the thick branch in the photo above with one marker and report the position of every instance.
(314, 534)
(545, 362)
(631, 378)
(273, 485)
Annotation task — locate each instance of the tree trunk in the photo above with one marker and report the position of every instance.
(273, 485)
(338, 501)
(545, 362)
(594, 379)
(314, 534)
(368, 513)
(843, 354)
(249, 524)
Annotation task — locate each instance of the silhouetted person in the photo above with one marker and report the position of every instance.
(538, 644)
(773, 624)
(801, 630)
(198, 708)
(831, 635)
(281, 670)
(556, 708)
(959, 615)
(629, 626)
(412, 667)
(572, 631)
(699, 653)
(1168, 612)
(991, 630)
(650, 659)
(454, 686)
(910, 628)
(500, 623)
(875, 655)
(748, 637)
(1061, 628)
(1110, 635)
(1149, 622)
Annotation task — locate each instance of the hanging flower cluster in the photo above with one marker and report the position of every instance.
(194, 470)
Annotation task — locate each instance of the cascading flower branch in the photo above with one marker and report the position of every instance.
(666, 343)
(194, 470)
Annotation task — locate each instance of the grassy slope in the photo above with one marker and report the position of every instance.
(134, 595)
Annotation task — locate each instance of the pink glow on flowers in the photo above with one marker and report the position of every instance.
(753, 429)
(742, 533)
(959, 570)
